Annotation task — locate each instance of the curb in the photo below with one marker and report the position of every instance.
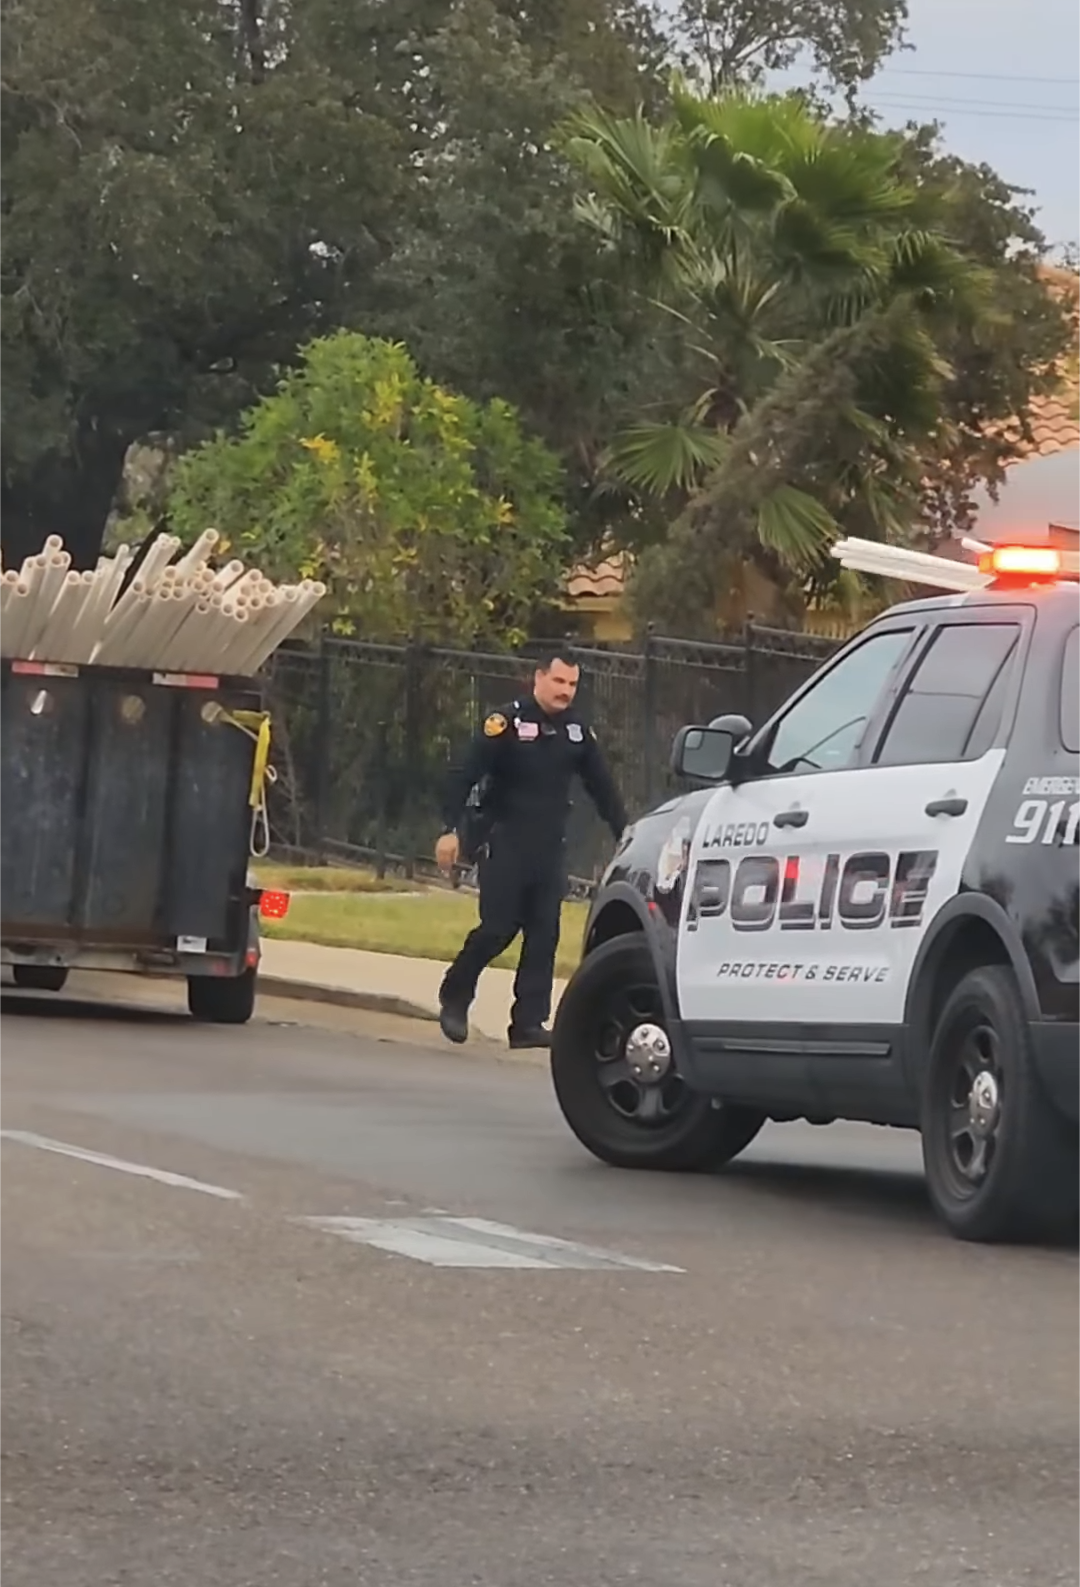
(340, 997)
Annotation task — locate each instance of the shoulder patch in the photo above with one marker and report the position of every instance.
(495, 724)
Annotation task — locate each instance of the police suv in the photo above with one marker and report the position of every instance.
(866, 909)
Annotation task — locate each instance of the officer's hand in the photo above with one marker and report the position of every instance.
(446, 852)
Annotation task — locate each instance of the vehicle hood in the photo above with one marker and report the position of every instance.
(654, 853)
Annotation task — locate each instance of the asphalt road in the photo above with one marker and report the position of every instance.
(202, 1390)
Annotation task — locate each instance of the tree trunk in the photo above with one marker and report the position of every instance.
(251, 26)
(69, 496)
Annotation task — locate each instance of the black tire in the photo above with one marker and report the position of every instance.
(614, 986)
(40, 977)
(1012, 1174)
(217, 1000)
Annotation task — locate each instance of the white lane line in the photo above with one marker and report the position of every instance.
(103, 1160)
(476, 1242)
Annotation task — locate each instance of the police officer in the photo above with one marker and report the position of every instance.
(524, 759)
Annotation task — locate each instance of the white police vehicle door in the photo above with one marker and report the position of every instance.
(813, 883)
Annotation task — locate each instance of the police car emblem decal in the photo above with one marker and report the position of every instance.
(494, 725)
(574, 732)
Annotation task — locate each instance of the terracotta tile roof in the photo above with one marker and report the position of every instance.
(602, 581)
(1054, 426)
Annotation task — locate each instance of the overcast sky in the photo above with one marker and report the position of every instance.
(1002, 75)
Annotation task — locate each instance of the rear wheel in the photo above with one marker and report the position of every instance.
(222, 1001)
(1001, 1164)
(40, 977)
(614, 1077)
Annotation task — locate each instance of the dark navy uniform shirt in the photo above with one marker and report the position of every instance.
(527, 760)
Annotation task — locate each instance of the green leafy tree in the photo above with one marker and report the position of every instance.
(190, 191)
(492, 283)
(724, 42)
(193, 191)
(781, 242)
(1016, 352)
(763, 228)
(429, 515)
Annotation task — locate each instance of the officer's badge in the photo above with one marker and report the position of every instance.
(495, 724)
(574, 732)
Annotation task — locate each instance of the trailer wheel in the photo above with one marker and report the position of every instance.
(39, 977)
(217, 1000)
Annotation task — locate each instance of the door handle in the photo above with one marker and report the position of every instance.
(791, 818)
(946, 807)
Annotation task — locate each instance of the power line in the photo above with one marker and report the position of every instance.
(981, 77)
(988, 115)
(933, 107)
(987, 104)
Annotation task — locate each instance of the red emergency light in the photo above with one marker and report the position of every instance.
(273, 905)
(1021, 564)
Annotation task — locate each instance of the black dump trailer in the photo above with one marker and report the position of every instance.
(128, 804)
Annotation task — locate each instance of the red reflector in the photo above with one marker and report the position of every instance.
(45, 669)
(187, 680)
(1037, 562)
(274, 906)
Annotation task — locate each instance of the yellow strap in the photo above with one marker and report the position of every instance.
(256, 724)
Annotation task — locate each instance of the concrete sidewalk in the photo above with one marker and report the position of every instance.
(386, 982)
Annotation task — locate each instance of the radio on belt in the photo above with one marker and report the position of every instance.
(866, 908)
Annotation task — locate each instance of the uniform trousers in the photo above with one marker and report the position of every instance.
(522, 883)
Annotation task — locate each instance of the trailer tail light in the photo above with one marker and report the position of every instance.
(273, 905)
(1022, 564)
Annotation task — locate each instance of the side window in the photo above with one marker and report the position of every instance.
(951, 709)
(823, 730)
(1070, 692)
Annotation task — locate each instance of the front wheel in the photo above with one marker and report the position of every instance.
(1000, 1163)
(614, 1077)
(222, 1001)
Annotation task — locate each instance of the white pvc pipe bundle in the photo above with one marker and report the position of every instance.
(174, 616)
(911, 567)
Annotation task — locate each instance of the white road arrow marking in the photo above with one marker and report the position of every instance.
(476, 1242)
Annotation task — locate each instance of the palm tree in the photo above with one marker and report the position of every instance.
(781, 241)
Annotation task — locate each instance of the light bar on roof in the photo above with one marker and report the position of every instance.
(1028, 561)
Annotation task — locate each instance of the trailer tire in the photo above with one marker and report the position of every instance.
(215, 1000)
(39, 977)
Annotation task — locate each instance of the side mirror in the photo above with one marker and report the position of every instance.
(740, 727)
(702, 752)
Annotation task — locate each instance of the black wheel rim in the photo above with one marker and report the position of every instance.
(649, 1105)
(973, 1098)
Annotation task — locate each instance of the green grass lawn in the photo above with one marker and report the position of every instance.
(324, 879)
(429, 927)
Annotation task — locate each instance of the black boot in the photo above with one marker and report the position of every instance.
(454, 1022)
(521, 1037)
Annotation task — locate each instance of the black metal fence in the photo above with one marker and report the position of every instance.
(364, 734)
